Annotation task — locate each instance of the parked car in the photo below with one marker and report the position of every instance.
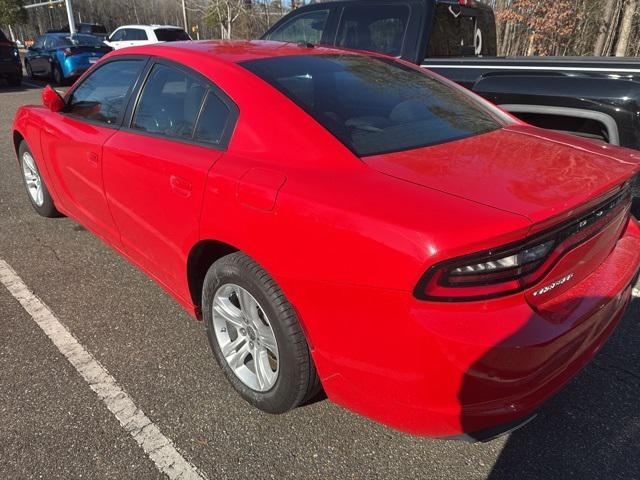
(340, 230)
(88, 28)
(10, 66)
(595, 98)
(136, 35)
(61, 56)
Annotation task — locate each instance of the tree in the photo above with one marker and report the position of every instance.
(12, 12)
(606, 23)
(626, 26)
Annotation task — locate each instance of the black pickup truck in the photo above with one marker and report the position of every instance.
(10, 66)
(598, 98)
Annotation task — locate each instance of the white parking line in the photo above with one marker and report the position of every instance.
(158, 448)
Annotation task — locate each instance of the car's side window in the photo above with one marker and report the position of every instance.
(101, 96)
(118, 36)
(170, 102)
(375, 28)
(48, 42)
(213, 120)
(136, 34)
(38, 43)
(307, 27)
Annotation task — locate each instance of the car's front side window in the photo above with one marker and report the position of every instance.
(117, 36)
(170, 103)
(306, 27)
(101, 96)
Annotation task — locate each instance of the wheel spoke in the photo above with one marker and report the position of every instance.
(248, 305)
(228, 311)
(231, 347)
(268, 340)
(237, 358)
(263, 368)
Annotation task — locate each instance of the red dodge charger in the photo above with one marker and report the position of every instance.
(347, 221)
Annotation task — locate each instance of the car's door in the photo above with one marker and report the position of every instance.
(155, 167)
(36, 58)
(72, 141)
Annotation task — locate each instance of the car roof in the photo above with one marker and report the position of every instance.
(149, 26)
(236, 51)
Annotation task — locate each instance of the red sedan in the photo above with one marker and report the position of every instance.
(347, 221)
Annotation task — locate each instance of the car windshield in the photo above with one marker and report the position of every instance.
(79, 40)
(171, 34)
(375, 105)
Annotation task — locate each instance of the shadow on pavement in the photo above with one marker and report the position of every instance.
(591, 428)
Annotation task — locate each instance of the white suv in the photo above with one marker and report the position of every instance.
(132, 35)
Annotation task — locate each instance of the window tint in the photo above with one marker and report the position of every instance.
(453, 34)
(118, 36)
(170, 103)
(171, 34)
(375, 28)
(135, 34)
(3, 37)
(213, 120)
(375, 105)
(101, 96)
(307, 27)
(38, 43)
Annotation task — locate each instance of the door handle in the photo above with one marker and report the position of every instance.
(180, 186)
(93, 158)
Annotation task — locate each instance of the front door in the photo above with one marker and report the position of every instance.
(73, 141)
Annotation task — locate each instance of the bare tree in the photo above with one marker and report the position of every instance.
(605, 25)
(626, 26)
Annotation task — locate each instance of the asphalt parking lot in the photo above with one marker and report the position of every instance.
(54, 425)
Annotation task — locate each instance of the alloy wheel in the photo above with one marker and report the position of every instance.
(32, 179)
(245, 337)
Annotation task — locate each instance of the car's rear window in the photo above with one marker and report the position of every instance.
(375, 105)
(171, 34)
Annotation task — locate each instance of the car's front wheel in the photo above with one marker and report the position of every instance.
(256, 337)
(36, 188)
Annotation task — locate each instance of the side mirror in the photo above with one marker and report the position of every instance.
(52, 99)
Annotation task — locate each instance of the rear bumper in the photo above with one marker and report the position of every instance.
(10, 69)
(445, 370)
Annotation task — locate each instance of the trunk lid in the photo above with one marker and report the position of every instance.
(519, 169)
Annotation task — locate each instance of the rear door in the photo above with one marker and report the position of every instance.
(73, 140)
(155, 168)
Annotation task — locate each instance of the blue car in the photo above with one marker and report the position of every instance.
(62, 56)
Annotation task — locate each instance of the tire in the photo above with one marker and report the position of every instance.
(42, 205)
(57, 75)
(15, 81)
(27, 67)
(296, 379)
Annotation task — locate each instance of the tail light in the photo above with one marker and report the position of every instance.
(513, 268)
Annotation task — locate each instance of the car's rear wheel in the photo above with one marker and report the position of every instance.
(57, 74)
(256, 337)
(27, 67)
(36, 188)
